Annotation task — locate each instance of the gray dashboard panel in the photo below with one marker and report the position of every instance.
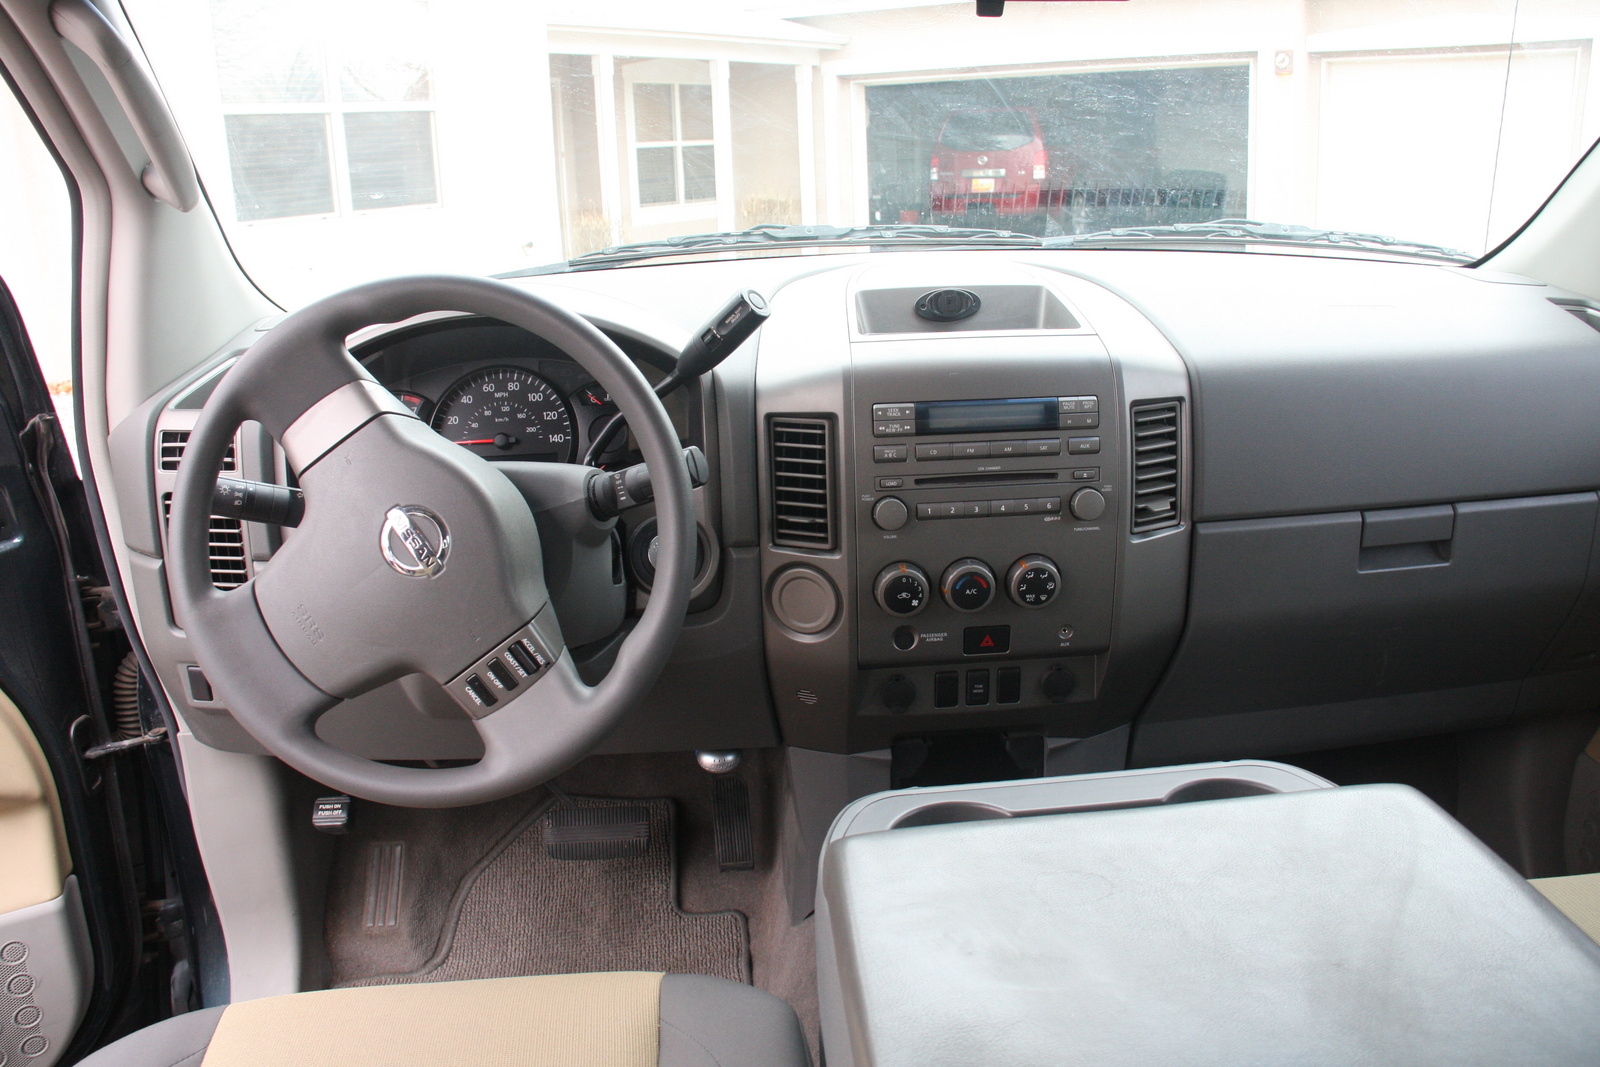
(1323, 384)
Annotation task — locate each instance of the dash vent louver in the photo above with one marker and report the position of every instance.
(224, 546)
(803, 514)
(1157, 449)
(172, 444)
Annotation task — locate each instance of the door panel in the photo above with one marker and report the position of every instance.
(45, 961)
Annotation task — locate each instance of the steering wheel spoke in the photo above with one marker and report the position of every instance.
(414, 556)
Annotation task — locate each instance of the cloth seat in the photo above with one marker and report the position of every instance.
(624, 1019)
(1578, 897)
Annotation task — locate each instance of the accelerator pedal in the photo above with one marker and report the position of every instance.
(603, 832)
(730, 809)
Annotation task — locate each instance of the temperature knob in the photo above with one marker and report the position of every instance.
(901, 589)
(1033, 582)
(968, 585)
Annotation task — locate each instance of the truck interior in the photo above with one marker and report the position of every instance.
(862, 532)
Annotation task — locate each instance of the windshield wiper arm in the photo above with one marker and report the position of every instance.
(769, 235)
(1253, 230)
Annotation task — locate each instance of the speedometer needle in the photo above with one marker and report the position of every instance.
(484, 441)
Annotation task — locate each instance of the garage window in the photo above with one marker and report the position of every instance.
(328, 110)
(674, 157)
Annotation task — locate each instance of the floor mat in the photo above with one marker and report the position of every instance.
(518, 911)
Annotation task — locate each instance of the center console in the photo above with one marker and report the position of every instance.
(950, 516)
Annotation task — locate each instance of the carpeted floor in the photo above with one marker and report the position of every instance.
(419, 895)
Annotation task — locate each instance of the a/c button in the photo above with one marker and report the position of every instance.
(986, 640)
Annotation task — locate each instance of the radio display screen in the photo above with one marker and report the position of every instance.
(987, 416)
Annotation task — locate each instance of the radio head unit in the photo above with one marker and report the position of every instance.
(1002, 415)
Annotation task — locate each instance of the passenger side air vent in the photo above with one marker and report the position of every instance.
(1157, 466)
(173, 442)
(225, 546)
(802, 491)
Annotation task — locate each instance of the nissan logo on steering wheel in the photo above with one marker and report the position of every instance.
(415, 541)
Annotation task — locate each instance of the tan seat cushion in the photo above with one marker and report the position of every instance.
(1578, 897)
(598, 1020)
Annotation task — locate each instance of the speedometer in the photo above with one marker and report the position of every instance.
(506, 411)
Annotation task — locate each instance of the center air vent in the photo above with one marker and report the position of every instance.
(1157, 466)
(803, 513)
(173, 442)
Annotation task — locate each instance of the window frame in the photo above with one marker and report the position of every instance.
(334, 107)
(680, 210)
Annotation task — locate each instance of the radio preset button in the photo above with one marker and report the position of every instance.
(889, 453)
(971, 509)
(1083, 446)
(890, 513)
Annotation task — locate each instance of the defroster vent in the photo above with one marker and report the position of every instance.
(1157, 465)
(803, 513)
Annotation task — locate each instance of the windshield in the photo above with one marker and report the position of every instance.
(343, 140)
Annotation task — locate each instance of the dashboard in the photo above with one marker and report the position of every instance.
(1198, 505)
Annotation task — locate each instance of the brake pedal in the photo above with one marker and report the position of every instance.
(607, 832)
(730, 809)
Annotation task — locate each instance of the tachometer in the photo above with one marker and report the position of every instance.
(506, 411)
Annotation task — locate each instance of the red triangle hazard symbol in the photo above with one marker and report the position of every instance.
(987, 642)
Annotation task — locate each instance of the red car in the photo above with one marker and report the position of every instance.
(989, 161)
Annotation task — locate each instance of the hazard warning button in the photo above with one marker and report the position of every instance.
(986, 640)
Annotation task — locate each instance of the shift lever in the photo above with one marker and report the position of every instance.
(710, 345)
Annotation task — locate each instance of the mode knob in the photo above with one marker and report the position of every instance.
(1033, 582)
(968, 585)
(901, 589)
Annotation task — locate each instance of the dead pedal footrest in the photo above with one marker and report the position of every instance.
(606, 832)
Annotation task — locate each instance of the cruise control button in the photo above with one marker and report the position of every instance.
(986, 640)
(480, 692)
(935, 451)
(889, 453)
(1083, 446)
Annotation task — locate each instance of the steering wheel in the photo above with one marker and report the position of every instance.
(414, 556)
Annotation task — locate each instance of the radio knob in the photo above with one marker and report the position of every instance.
(968, 585)
(1087, 504)
(890, 513)
(1033, 582)
(901, 589)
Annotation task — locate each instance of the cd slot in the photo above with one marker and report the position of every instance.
(985, 478)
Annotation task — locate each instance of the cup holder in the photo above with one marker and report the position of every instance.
(949, 812)
(1216, 789)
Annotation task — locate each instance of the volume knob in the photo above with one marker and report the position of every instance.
(901, 589)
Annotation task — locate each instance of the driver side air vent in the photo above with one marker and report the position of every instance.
(224, 544)
(173, 442)
(801, 451)
(1157, 467)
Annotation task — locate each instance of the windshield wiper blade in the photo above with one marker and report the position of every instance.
(770, 234)
(1253, 230)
